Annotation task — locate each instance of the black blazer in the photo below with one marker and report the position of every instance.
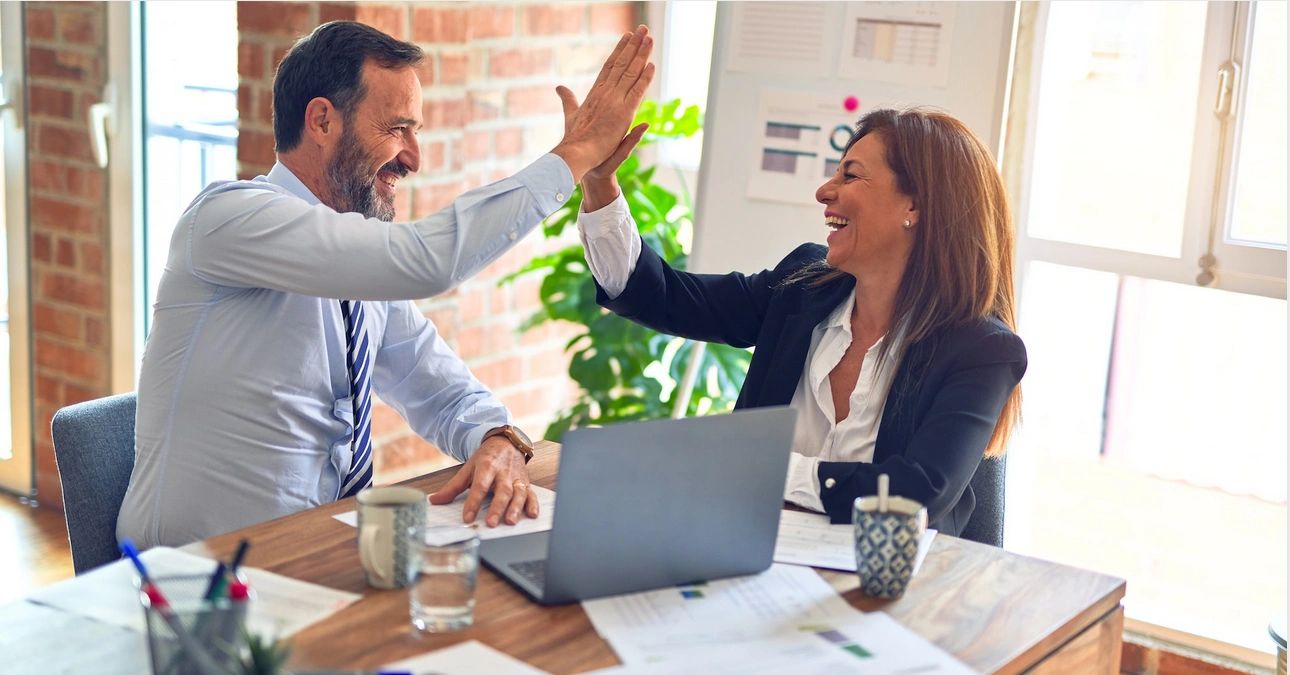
(944, 401)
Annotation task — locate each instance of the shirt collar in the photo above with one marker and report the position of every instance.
(281, 176)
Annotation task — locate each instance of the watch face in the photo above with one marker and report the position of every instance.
(523, 436)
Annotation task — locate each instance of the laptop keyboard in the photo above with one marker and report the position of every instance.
(533, 570)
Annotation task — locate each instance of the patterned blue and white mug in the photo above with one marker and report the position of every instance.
(887, 544)
(385, 516)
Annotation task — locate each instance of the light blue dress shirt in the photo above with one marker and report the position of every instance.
(245, 411)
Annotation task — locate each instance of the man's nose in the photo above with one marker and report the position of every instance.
(410, 156)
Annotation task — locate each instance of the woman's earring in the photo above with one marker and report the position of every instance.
(907, 224)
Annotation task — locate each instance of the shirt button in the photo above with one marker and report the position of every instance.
(512, 236)
(559, 196)
(829, 482)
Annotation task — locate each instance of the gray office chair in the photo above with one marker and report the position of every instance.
(986, 523)
(94, 447)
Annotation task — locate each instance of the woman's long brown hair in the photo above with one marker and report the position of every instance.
(961, 266)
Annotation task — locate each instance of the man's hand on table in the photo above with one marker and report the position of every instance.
(497, 467)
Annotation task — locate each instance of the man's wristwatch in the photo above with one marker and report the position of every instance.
(517, 438)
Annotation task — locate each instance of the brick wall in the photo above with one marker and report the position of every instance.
(490, 109)
(66, 63)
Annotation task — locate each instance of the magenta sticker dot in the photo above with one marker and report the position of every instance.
(851, 103)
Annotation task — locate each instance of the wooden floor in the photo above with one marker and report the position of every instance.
(33, 548)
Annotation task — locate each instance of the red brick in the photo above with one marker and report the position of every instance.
(335, 11)
(534, 402)
(79, 28)
(250, 60)
(74, 394)
(256, 147)
(54, 214)
(472, 342)
(279, 53)
(521, 62)
(490, 22)
(509, 142)
(91, 257)
(425, 71)
(47, 176)
(444, 114)
(95, 335)
(485, 105)
(432, 156)
(59, 65)
(389, 19)
(49, 320)
(49, 101)
(89, 185)
(72, 290)
(478, 146)
(76, 363)
(613, 17)
(438, 26)
(48, 389)
(42, 247)
(500, 372)
(40, 24)
(385, 420)
(282, 19)
(55, 141)
(550, 364)
(65, 253)
(453, 68)
(553, 19)
(532, 100)
(474, 304)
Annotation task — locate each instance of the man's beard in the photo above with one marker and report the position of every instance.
(351, 188)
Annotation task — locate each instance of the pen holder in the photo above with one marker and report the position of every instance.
(191, 634)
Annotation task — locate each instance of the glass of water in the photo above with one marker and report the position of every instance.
(442, 597)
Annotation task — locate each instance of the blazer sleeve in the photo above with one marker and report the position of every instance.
(949, 441)
(727, 308)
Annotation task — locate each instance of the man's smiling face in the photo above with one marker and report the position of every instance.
(379, 144)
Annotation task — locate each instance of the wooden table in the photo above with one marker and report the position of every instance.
(995, 611)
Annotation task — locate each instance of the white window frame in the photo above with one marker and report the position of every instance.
(1242, 268)
(17, 474)
(125, 195)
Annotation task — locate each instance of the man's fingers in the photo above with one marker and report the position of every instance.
(479, 488)
(637, 92)
(531, 503)
(518, 498)
(636, 67)
(502, 496)
(453, 487)
(626, 146)
(623, 58)
(568, 100)
(603, 76)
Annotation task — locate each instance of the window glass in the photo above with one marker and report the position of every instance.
(1116, 116)
(1259, 203)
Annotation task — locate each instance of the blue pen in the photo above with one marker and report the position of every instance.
(196, 652)
(127, 548)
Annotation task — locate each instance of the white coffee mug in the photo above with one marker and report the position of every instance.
(385, 517)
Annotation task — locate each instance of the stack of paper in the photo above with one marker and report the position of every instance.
(785, 619)
(463, 658)
(282, 606)
(809, 539)
(450, 514)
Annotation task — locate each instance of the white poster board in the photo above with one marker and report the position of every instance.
(790, 79)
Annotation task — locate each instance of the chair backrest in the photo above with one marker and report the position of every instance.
(94, 447)
(986, 523)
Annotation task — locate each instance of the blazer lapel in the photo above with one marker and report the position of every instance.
(788, 358)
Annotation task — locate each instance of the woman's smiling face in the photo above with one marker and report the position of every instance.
(865, 209)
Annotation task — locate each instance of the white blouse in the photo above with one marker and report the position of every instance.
(613, 246)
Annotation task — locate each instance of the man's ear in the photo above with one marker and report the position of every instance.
(322, 122)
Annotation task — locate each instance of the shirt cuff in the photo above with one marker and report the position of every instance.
(803, 485)
(611, 244)
(549, 180)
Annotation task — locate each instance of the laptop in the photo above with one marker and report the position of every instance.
(653, 504)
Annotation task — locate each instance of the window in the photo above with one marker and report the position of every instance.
(15, 368)
(1150, 193)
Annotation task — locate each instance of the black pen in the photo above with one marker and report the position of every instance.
(237, 557)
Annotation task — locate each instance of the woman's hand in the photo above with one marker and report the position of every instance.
(600, 183)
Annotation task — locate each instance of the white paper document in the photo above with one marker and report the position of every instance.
(32, 637)
(779, 38)
(905, 42)
(280, 606)
(869, 643)
(464, 658)
(450, 515)
(810, 539)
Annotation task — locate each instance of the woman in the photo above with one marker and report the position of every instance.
(894, 343)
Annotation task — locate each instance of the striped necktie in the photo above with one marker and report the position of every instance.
(360, 468)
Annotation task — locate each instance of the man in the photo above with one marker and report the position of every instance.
(256, 383)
